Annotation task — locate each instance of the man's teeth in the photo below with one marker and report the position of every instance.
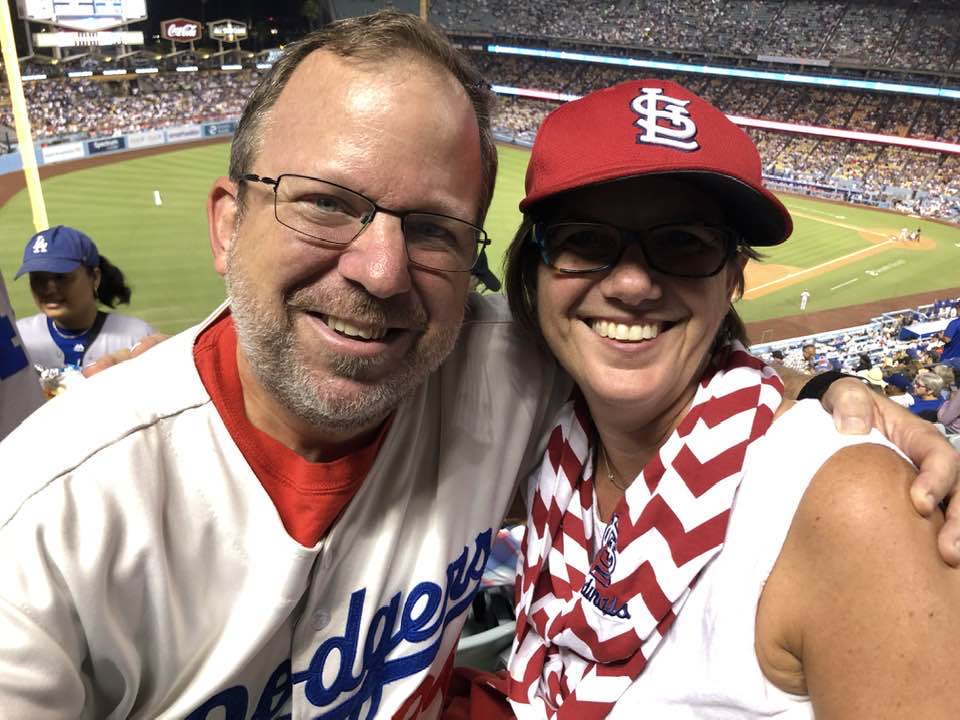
(341, 326)
(620, 331)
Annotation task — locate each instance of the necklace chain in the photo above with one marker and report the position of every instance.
(67, 335)
(611, 476)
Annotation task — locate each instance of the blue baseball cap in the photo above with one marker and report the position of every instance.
(61, 249)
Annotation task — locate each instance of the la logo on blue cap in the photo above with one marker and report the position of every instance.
(39, 245)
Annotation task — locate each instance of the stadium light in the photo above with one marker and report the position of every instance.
(146, 71)
(115, 71)
(34, 77)
(767, 75)
(264, 66)
(79, 73)
(187, 68)
(231, 67)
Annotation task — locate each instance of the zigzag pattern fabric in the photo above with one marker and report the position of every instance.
(588, 622)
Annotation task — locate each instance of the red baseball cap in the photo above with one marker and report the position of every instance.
(655, 127)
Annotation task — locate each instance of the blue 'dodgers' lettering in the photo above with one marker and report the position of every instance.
(383, 637)
(425, 614)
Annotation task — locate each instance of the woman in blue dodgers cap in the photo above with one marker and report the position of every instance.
(69, 280)
(697, 546)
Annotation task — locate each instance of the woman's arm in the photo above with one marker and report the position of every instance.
(860, 611)
(950, 410)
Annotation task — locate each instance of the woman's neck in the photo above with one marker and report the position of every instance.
(631, 440)
(79, 322)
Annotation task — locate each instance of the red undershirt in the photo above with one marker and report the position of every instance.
(308, 496)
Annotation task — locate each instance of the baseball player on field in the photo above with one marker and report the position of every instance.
(286, 510)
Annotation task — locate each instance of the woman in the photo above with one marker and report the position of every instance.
(68, 278)
(643, 205)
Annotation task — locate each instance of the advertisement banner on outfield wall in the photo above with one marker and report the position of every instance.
(61, 152)
(102, 145)
(184, 132)
(219, 129)
(147, 138)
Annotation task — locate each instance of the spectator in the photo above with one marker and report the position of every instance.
(950, 337)
(68, 279)
(949, 414)
(926, 395)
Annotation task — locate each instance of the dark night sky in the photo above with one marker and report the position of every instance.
(285, 14)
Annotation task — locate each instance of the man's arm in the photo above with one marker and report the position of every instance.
(859, 598)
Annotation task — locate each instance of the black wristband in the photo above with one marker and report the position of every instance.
(816, 386)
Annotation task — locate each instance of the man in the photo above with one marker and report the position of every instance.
(804, 297)
(226, 536)
(20, 392)
(927, 387)
(286, 510)
(804, 361)
(950, 337)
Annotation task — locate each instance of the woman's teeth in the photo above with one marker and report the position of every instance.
(628, 333)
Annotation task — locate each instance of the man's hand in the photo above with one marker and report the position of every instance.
(856, 409)
(123, 355)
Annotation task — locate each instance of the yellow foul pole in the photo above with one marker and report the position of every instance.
(424, 9)
(21, 120)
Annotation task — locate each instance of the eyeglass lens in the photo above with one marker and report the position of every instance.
(334, 214)
(684, 250)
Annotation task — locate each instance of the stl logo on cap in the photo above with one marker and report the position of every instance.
(653, 106)
(39, 245)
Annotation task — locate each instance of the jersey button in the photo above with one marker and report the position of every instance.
(320, 619)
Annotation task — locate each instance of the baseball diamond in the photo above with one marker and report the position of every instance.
(849, 258)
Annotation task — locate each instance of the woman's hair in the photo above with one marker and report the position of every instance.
(947, 374)
(930, 381)
(113, 288)
(520, 283)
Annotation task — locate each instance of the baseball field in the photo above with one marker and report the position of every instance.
(847, 258)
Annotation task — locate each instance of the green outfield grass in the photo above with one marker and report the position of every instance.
(164, 251)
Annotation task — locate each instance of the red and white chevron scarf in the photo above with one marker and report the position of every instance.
(587, 622)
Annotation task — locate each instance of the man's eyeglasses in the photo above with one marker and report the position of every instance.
(682, 250)
(334, 214)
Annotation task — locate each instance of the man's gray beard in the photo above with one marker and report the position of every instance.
(269, 344)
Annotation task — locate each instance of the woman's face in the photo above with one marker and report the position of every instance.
(634, 380)
(66, 298)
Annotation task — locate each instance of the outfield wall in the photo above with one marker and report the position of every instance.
(115, 144)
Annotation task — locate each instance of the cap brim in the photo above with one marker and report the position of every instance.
(51, 265)
(758, 215)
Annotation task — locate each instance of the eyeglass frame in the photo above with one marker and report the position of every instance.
(538, 230)
(483, 241)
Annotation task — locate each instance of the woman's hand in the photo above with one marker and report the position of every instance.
(856, 409)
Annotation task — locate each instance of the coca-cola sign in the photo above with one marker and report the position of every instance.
(181, 30)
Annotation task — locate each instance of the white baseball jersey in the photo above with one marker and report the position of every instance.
(20, 392)
(145, 573)
(706, 667)
(118, 333)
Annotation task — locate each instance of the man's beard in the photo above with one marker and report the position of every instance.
(268, 340)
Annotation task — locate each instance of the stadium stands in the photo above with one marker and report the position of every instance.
(854, 36)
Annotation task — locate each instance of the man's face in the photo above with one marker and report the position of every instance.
(340, 334)
(808, 351)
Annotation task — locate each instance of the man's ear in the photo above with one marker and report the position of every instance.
(222, 220)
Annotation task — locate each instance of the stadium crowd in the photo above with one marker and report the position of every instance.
(64, 108)
(913, 180)
(912, 356)
(918, 36)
